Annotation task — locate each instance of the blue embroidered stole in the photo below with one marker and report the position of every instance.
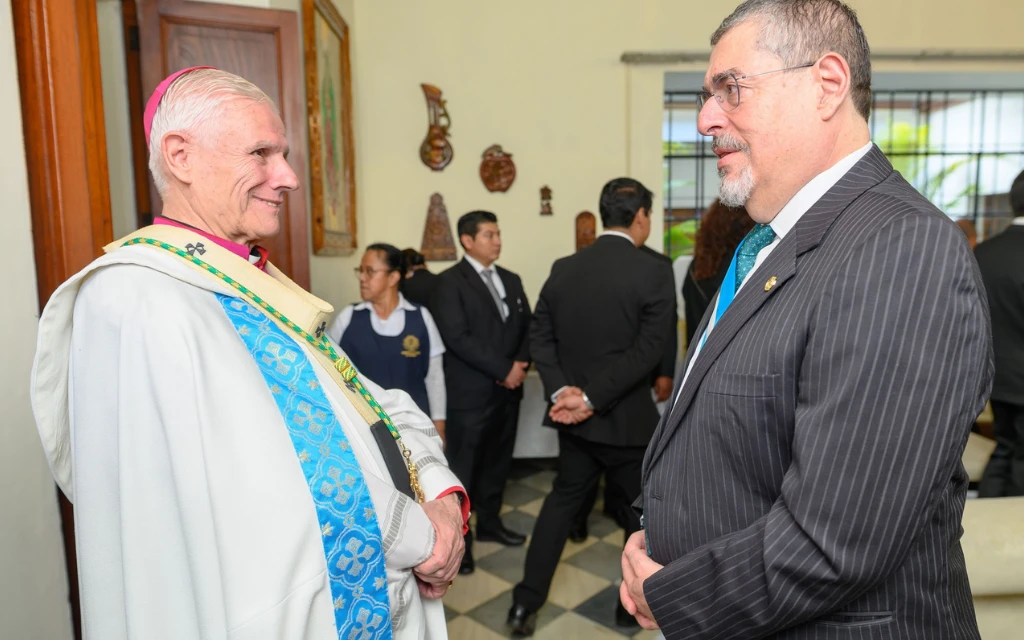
(348, 522)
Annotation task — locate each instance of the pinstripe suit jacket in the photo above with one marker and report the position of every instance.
(807, 482)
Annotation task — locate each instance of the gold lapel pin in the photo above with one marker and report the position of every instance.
(771, 283)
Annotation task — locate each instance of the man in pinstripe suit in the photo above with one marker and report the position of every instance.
(806, 482)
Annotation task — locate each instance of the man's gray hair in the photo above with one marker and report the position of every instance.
(801, 31)
(191, 104)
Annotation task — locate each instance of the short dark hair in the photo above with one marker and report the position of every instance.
(621, 199)
(1017, 194)
(392, 256)
(413, 258)
(469, 223)
(801, 31)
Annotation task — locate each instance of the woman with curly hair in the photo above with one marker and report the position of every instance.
(721, 230)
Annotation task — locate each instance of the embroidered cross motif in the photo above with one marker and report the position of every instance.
(342, 487)
(280, 357)
(353, 563)
(320, 330)
(366, 627)
(193, 249)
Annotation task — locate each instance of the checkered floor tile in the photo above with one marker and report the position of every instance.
(585, 587)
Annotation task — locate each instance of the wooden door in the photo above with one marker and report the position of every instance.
(262, 46)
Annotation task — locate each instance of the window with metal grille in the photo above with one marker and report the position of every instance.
(961, 149)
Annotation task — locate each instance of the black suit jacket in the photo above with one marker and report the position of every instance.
(479, 348)
(808, 483)
(602, 323)
(667, 366)
(1001, 260)
(419, 288)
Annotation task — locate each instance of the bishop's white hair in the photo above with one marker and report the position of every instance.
(191, 104)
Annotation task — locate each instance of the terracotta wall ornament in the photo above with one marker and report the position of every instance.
(438, 243)
(586, 230)
(436, 152)
(545, 201)
(497, 169)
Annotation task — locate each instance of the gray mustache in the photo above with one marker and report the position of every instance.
(728, 142)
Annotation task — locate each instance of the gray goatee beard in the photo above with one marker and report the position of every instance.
(734, 190)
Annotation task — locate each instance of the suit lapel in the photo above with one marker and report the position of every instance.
(780, 264)
(476, 283)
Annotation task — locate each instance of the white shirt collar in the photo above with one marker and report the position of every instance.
(613, 232)
(479, 268)
(813, 191)
(402, 304)
(1019, 221)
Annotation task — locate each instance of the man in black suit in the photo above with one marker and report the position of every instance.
(601, 328)
(1001, 260)
(484, 319)
(662, 383)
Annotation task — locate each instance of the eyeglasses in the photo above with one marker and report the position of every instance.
(726, 90)
(370, 271)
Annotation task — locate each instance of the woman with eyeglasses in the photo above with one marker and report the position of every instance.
(393, 342)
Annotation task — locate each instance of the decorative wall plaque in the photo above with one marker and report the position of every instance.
(497, 169)
(436, 152)
(438, 243)
(545, 201)
(586, 230)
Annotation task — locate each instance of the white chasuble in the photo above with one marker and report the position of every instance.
(193, 517)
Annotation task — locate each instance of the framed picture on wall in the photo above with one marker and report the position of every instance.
(329, 112)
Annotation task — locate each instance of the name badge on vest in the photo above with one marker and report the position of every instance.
(411, 346)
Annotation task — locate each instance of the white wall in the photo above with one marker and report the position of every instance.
(33, 579)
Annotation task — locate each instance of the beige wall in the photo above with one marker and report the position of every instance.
(33, 582)
(544, 80)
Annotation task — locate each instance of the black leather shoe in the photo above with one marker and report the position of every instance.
(622, 617)
(578, 532)
(521, 621)
(498, 533)
(468, 566)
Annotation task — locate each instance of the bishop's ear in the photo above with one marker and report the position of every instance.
(177, 150)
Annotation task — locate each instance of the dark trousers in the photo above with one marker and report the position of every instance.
(580, 464)
(1004, 474)
(479, 452)
(613, 502)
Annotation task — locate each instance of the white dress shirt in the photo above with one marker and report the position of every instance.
(783, 223)
(621, 234)
(1019, 221)
(498, 284)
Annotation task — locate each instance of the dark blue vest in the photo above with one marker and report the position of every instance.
(393, 362)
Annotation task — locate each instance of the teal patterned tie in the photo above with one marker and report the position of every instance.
(759, 237)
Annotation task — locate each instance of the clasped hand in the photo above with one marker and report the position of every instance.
(516, 376)
(435, 574)
(637, 566)
(570, 407)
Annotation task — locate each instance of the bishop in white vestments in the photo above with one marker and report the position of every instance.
(234, 477)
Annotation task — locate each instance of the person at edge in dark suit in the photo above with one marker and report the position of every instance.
(483, 315)
(600, 329)
(1001, 260)
(807, 481)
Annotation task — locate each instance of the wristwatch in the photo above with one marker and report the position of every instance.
(590, 405)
